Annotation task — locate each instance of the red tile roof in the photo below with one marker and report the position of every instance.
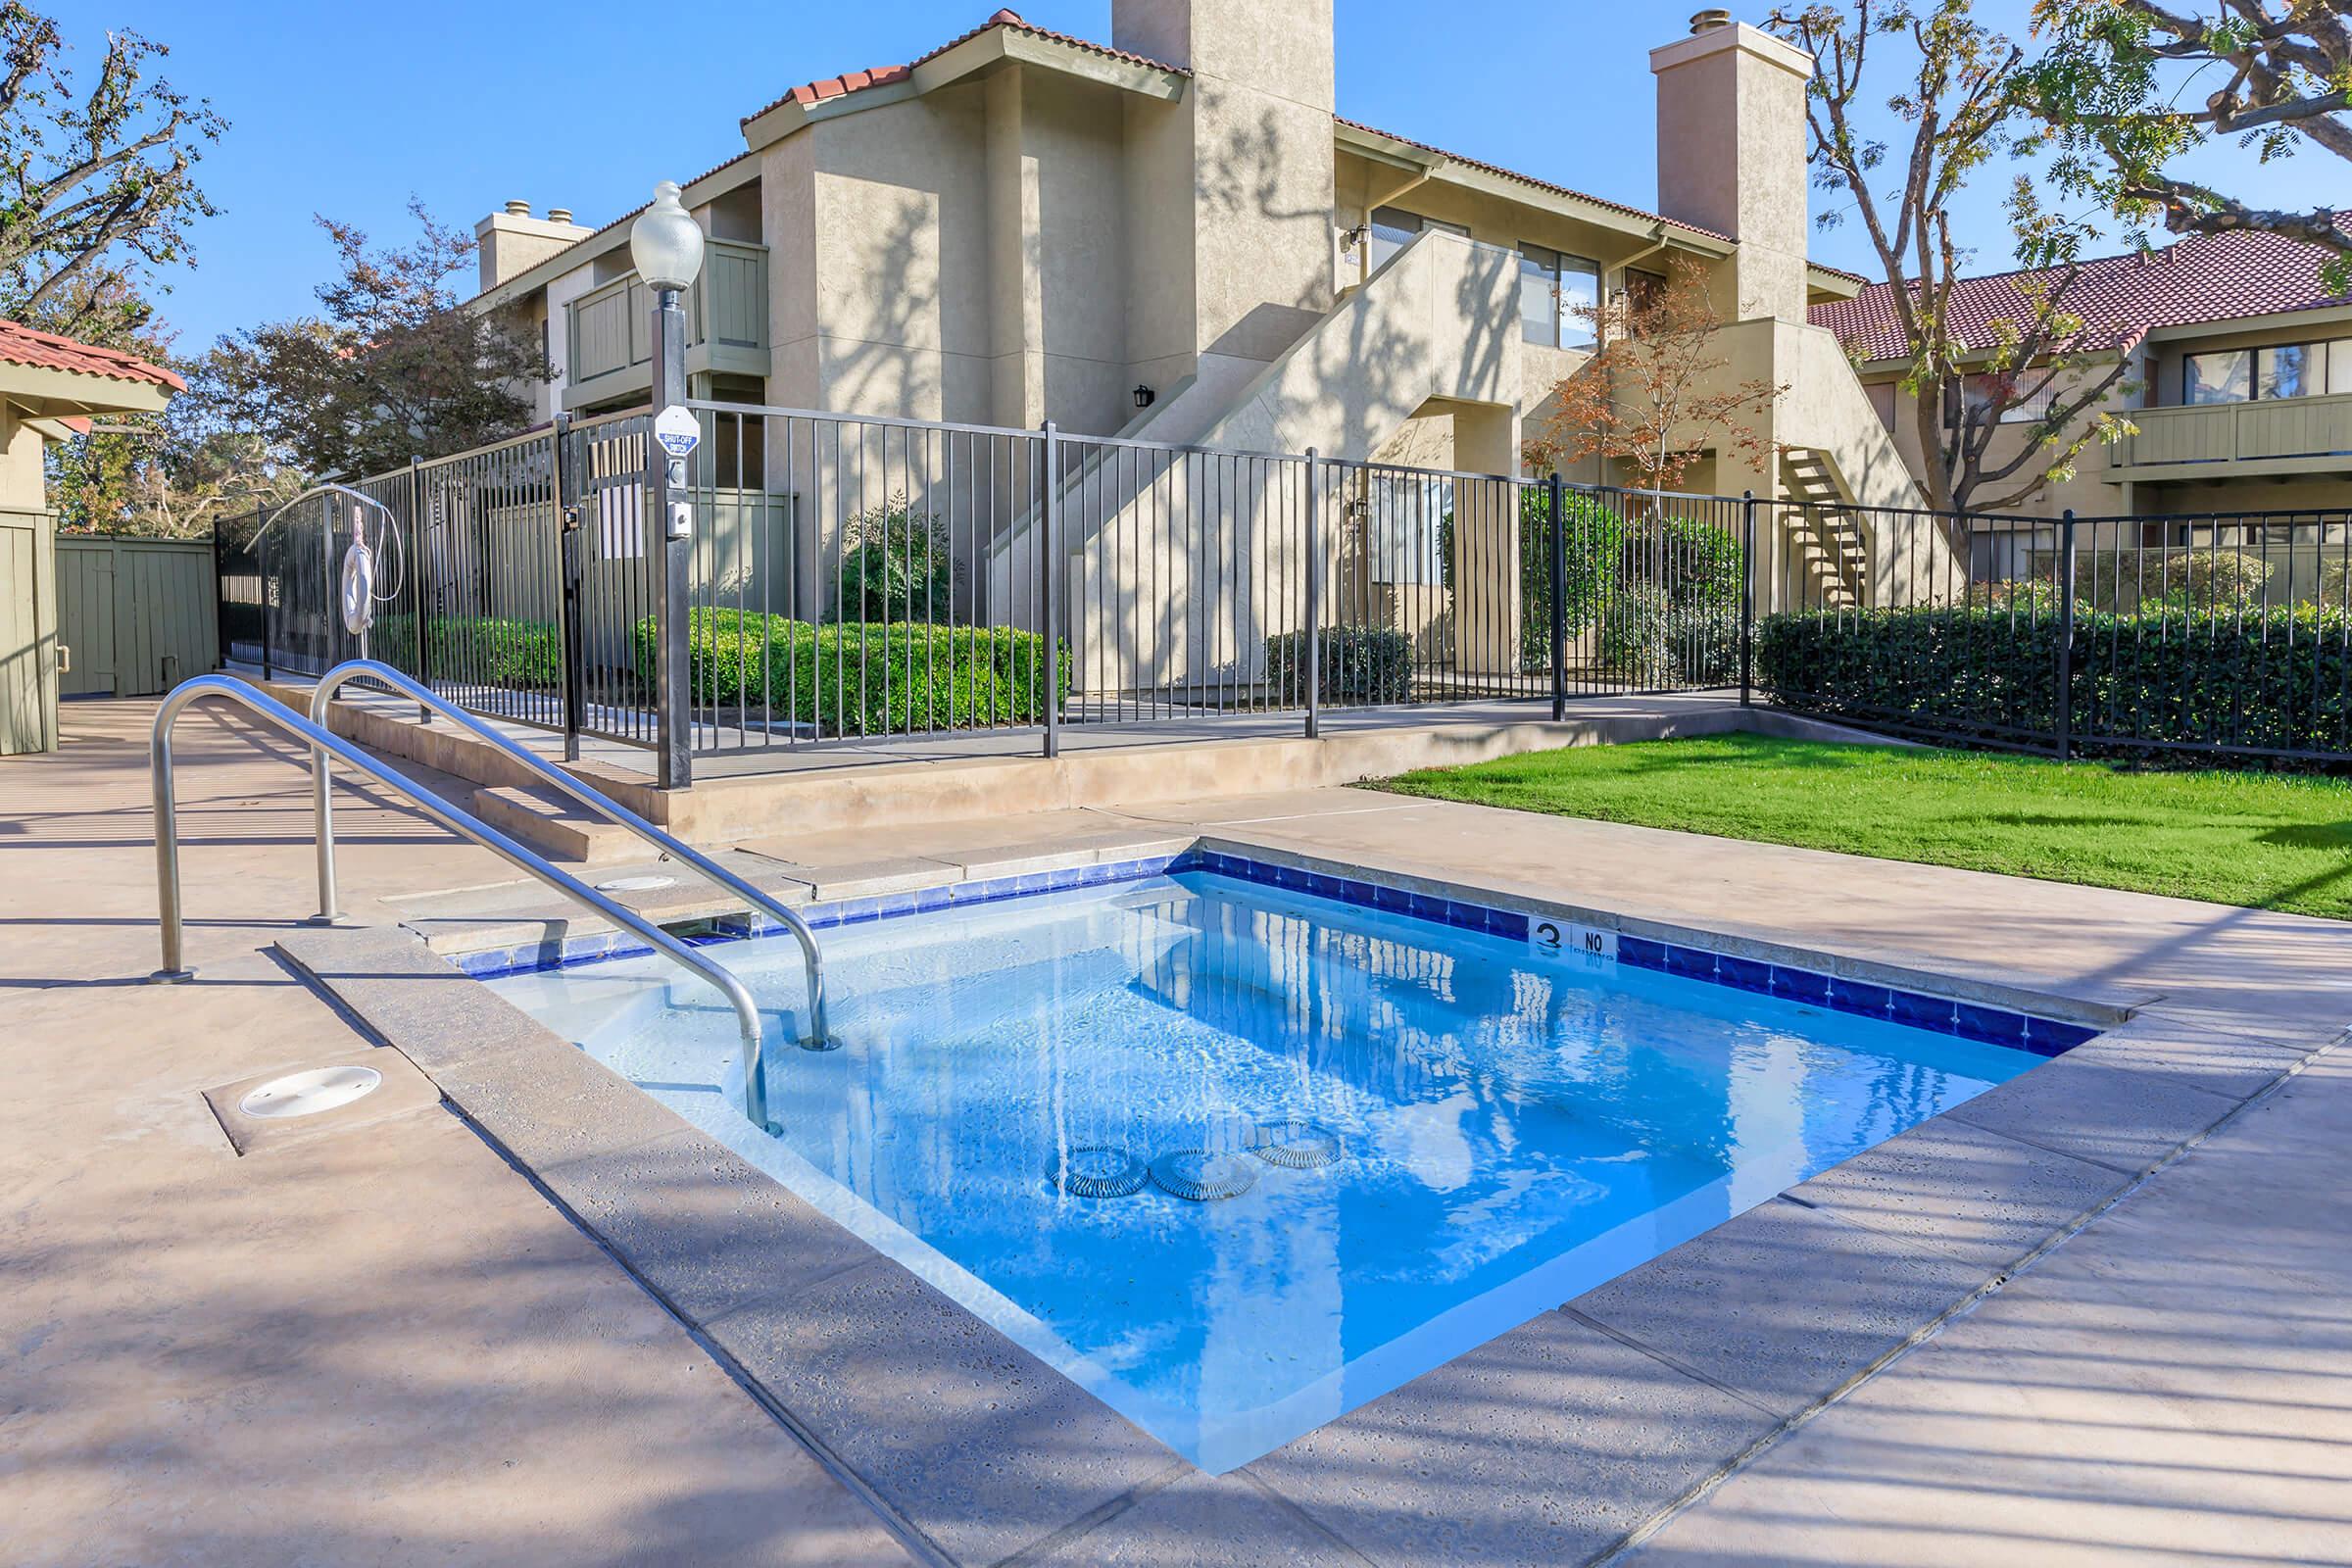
(2121, 299)
(882, 76)
(46, 351)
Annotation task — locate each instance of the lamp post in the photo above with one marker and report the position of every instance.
(666, 246)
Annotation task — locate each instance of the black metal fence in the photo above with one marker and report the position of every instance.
(861, 580)
(2221, 636)
(870, 583)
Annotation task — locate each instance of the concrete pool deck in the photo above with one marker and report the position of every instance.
(380, 1342)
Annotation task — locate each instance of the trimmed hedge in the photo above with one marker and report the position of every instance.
(2276, 679)
(492, 649)
(1361, 664)
(857, 678)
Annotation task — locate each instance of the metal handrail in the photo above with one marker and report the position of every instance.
(819, 1036)
(455, 818)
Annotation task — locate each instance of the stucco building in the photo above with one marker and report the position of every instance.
(2237, 381)
(49, 385)
(1174, 236)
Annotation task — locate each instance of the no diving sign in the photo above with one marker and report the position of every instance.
(678, 431)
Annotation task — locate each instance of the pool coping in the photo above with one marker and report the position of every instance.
(1628, 1401)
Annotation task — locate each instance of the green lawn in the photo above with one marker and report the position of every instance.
(2265, 839)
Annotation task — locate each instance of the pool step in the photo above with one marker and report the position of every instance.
(557, 828)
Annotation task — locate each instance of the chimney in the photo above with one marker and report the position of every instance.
(511, 242)
(1732, 155)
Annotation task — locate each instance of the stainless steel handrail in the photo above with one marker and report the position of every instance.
(452, 817)
(819, 1036)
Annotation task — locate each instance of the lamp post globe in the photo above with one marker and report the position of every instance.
(666, 242)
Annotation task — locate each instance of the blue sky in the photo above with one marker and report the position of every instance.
(349, 110)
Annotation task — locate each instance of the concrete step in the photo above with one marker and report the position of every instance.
(557, 828)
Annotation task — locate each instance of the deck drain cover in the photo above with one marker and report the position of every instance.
(636, 884)
(1295, 1145)
(1199, 1176)
(307, 1094)
(1098, 1172)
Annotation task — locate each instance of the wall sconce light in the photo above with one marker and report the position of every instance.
(1145, 397)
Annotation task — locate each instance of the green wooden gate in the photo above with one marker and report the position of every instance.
(135, 616)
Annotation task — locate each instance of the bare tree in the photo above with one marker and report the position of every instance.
(96, 187)
(1950, 82)
(1653, 396)
(2116, 90)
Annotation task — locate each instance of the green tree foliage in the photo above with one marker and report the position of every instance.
(896, 564)
(392, 367)
(97, 183)
(168, 475)
(2129, 89)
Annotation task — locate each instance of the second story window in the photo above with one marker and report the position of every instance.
(2279, 370)
(1392, 228)
(1558, 298)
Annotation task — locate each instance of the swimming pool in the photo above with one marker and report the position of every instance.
(1238, 1148)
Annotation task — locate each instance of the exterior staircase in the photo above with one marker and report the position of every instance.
(1828, 548)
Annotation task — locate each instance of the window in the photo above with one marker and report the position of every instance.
(1558, 297)
(2339, 365)
(1393, 229)
(2290, 371)
(1984, 391)
(2223, 377)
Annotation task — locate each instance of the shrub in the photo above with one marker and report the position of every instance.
(857, 678)
(1361, 665)
(1653, 638)
(2023, 596)
(2276, 679)
(896, 564)
(502, 651)
(2191, 578)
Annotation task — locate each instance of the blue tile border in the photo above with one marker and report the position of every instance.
(1924, 1010)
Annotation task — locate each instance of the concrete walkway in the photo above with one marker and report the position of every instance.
(375, 1342)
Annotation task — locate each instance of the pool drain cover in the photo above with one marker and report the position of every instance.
(1295, 1145)
(307, 1094)
(1199, 1176)
(1098, 1172)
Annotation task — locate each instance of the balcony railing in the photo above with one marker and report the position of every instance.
(2224, 440)
(609, 329)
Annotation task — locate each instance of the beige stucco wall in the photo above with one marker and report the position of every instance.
(1730, 106)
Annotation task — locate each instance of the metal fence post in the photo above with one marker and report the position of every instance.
(1747, 599)
(673, 718)
(568, 543)
(2066, 636)
(421, 574)
(1314, 595)
(1049, 597)
(261, 583)
(1557, 503)
(220, 599)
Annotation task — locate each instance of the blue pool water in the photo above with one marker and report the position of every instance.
(1511, 1128)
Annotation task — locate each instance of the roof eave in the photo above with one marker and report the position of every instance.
(2301, 316)
(47, 393)
(977, 54)
(1836, 285)
(1384, 148)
